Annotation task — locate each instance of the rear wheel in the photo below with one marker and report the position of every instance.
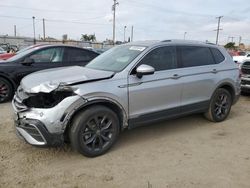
(6, 90)
(94, 131)
(220, 105)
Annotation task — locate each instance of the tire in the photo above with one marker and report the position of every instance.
(220, 105)
(94, 131)
(6, 90)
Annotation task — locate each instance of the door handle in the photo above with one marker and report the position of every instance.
(214, 71)
(175, 76)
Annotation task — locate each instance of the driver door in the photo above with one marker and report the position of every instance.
(156, 96)
(41, 59)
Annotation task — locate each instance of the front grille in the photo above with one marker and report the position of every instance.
(245, 82)
(32, 132)
(246, 68)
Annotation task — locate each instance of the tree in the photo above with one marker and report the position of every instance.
(230, 45)
(86, 37)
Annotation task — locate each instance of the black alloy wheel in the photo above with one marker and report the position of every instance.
(98, 132)
(94, 131)
(220, 105)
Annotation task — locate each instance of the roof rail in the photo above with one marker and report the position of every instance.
(210, 43)
(166, 41)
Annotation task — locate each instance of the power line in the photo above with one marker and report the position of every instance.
(47, 10)
(166, 10)
(54, 20)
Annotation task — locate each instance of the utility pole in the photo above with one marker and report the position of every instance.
(15, 30)
(185, 33)
(114, 11)
(231, 38)
(218, 28)
(34, 29)
(132, 33)
(240, 38)
(125, 33)
(43, 29)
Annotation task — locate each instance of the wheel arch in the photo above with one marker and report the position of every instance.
(13, 84)
(110, 103)
(229, 87)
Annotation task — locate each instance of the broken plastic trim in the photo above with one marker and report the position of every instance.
(49, 100)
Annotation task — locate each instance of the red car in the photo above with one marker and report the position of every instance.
(6, 56)
(9, 55)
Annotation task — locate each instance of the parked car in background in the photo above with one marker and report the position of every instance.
(2, 51)
(245, 77)
(38, 58)
(127, 86)
(241, 58)
(6, 55)
(9, 48)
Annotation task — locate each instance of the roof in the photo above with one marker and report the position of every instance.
(171, 42)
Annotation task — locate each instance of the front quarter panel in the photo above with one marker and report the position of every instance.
(110, 89)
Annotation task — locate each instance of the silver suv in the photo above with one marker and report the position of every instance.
(127, 86)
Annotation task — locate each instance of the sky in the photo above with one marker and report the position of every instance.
(152, 19)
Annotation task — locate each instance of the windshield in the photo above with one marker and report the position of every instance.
(117, 58)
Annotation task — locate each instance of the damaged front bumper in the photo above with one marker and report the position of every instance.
(44, 126)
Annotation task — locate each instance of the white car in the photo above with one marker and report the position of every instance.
(241, 59)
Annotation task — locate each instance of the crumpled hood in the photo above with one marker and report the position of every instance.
(48, 80)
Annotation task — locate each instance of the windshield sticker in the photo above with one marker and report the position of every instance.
(137, 48)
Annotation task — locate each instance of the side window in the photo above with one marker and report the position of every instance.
(192, 56)
(78, 55)
(48, 55)
(162, 58)
(218, 57)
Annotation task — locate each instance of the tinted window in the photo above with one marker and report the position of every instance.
(218, 57)
(195, 56)
(79, 55)
(48, 55)
(162, 58)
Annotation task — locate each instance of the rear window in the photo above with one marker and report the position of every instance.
(192, 56)
(218, 57)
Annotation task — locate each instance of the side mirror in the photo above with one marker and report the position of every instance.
(144, 70)
(28, 61)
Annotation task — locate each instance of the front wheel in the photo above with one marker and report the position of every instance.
(94, 131)
(220, 105)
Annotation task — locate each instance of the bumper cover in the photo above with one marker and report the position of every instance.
(35, 133)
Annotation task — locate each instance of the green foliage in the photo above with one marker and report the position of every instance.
(86, 37)
(230, 45)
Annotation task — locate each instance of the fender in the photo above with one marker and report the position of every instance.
(82, 103)
(229, 86)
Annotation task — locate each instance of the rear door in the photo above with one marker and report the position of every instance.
(199, 75)
(156, 96)
(78, 56)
